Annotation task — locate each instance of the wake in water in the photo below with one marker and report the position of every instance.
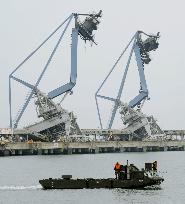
(20, 187)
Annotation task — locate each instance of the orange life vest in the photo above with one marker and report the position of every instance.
(117, 166)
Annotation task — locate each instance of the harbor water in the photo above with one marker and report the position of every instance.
(19, 178)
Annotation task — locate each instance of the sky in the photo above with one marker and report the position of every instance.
(25, 24)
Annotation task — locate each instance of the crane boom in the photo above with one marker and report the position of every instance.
(68, 87)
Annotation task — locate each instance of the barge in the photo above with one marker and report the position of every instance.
(129, 177)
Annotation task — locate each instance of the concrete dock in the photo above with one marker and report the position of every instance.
(92, 147)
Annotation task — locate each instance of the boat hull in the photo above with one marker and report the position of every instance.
(99, 183)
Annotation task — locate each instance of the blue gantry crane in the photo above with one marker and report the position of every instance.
(47, 108)
(141, 48)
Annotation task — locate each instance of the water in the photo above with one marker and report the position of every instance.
(19, 178)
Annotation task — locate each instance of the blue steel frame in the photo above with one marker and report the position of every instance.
(143, 93)
(54, 93)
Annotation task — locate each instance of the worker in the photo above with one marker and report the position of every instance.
(117, 169)
(154, 166)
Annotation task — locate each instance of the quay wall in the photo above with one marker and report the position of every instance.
(49, 148)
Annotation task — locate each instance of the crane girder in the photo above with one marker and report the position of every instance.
(67, 87)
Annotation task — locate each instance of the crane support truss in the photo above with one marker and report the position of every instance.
(140, 49)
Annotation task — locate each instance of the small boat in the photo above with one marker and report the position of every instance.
(129, 177)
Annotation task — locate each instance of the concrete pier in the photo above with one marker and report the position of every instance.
(19, 152)
(6, 152)
(31, 151)
(165, 148)
(70, 151)
(13, 152)
(49, 148)
(39, 151)
(45, 151)
(96, 150)
(122, 149)
(144, 149)
(51, 151)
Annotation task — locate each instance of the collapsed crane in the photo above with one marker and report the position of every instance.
(138, 124)
(56, 120)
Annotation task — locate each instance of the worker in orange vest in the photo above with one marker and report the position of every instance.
(117, 169)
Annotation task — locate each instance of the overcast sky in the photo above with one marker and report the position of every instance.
(24, 24)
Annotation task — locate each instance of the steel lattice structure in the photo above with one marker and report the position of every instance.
(141, 50)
